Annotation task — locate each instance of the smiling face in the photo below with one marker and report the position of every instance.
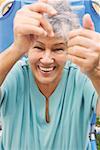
(47, 58)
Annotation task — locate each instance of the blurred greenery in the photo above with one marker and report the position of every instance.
(98, 136)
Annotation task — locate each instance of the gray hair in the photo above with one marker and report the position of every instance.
(64, 21)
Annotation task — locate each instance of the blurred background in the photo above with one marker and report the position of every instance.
(8, 10)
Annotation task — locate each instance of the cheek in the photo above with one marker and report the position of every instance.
(33, 57)
(32, 60)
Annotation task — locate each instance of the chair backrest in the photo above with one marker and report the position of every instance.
(92, 134)
(95, 16)
(6, 26)
(6, 22)
(86, 6)
(78, 8)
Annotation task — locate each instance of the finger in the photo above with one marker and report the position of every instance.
(25, 12)
(29, 21)
(37, 22)
(76, 60)
(33, 15)
(83, 32)
(81, 41)
(42, 8)
(87, 22)
(78, 51)
(26, 29)
(81, 63)
(43, 24)
(47, 27)
(85, 64)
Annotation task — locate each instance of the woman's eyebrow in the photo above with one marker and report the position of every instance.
(58, 44)
(38, 42)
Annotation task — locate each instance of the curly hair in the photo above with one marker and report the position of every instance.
(64, 21)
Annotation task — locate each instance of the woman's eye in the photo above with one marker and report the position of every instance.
(38, 48)
(58, 49)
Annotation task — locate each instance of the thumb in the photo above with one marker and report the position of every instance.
(88, 23)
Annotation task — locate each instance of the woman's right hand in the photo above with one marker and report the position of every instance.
(30, 23)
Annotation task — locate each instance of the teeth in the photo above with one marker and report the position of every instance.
(46, 69)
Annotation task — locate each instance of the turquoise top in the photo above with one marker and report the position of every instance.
(23, 111)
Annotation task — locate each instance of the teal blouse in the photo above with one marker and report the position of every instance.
(22, 108)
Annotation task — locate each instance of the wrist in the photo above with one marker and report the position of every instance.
(95, 78)
(16, 50)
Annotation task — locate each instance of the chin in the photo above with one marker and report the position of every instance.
(45, 81)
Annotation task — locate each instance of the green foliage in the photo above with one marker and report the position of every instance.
(98, 136)
(98, 121)
(98, 141)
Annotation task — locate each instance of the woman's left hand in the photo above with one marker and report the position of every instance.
(84, 51)
(84, 48)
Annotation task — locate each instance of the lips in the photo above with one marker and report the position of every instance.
(46, 69)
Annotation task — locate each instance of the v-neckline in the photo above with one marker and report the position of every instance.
(56, 95)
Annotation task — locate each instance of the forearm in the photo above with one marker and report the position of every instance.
(98, 107)
(7, 59)
(96, 83)
(97, 87)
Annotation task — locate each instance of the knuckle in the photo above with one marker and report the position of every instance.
(37, 23)
(84, 65)
(40, 16)
(87, 65)
(81, 31)
(19, 12)
(75, 48)
(95, 57)
(22, 10)
(18, 29)
(98, 47)
(77, 38)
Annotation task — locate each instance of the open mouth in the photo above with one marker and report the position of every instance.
(46, 69)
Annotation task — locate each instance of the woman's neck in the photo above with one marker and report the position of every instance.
(47, 89)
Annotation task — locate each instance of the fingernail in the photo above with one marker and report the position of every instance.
(51, 34)
(45, 33)
(53, 12)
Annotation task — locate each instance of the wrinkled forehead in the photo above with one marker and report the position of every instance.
(56, 40)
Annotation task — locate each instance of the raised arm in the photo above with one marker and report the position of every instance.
(84, 50)
(28, 24)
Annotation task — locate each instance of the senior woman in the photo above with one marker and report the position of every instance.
(46, 102)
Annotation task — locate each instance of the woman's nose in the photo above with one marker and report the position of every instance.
(47, 58)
